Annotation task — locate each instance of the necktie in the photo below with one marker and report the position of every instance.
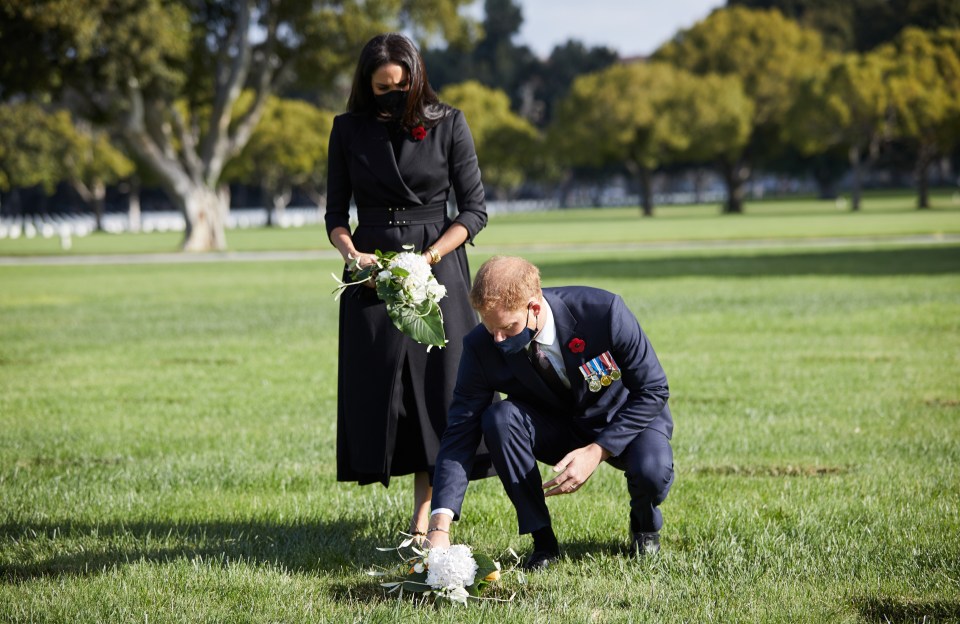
(545, 369)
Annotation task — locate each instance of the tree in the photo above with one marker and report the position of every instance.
(925, 92)
(495, 61)
(862, 25)
(506, 143)
(166, 75)
(27, 148)
(44, 148)
(548, 82)
(648, 115)
(844, 106)
(287, 150)
(770, 55)
(90, 162)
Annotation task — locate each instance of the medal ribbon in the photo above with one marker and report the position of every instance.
(608, 361)
(596, 367)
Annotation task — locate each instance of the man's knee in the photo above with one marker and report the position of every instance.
(650, 467)
(499, 421)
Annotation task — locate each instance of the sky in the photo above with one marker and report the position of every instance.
(631, 27)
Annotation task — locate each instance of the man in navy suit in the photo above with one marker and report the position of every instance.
(583, 386)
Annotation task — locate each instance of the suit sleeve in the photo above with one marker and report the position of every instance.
(339, 187)
(471, 397)
(465, 175)
(642, 376)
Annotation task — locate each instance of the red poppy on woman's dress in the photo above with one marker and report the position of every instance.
(419, 133)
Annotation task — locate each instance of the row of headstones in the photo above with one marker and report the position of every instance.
(68, 226)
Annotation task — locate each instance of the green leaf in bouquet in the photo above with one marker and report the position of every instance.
(485, 567)
(386, 293)
(424, 328)
(363, 274)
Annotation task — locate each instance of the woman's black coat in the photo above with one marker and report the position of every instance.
(373, 354)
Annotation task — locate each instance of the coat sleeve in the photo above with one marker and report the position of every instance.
(643, 377)
(465, 175)
(339, 188)
(471, 397)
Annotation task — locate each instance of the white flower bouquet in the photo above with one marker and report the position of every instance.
(455, 573)
(410, 291)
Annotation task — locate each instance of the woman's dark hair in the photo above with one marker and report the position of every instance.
(423, 105)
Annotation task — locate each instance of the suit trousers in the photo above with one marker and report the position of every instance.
(519, 435)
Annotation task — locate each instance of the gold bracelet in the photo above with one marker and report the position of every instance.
(434, 254)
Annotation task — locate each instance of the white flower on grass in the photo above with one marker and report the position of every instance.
(457, 594)
(451, 568)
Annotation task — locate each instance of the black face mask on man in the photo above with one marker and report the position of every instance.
(516, 344)
(392, 103)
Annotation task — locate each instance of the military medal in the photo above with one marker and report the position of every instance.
(593, 382)
(599, 372)
(614, 370)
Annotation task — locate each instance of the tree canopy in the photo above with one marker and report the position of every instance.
(769, 54)
(861, 25)
(844, 105)
(925, 94)
(645, 115)
(506, 143)
(287, 150)
(166, 75)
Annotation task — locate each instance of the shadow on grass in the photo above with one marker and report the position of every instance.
(901, 609)
(578, 549)
(295, 547)
(886, 262)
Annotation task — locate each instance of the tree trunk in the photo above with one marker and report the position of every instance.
(644, 178)
(854, 155)
(205, 212)
(134, 220)
(266, 198)
(99, 192)
(924, 158)
(735, 174)
(646, 190)
(93, 196)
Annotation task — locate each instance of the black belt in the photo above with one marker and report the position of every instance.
(403, 215)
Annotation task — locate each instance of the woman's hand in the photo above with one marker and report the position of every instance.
(363, 260)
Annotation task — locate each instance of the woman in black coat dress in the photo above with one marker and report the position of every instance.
(398, 152)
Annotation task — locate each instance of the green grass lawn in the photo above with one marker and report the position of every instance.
(167, 444)
(884, 214)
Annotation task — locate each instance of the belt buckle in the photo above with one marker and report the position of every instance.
(393, 215)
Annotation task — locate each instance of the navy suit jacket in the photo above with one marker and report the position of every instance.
(612, 417)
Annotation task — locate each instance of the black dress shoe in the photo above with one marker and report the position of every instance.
(540, 560)
(645, 543)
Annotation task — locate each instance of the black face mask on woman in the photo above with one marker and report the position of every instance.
(393, 103)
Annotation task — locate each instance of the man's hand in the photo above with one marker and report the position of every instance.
(575, 468)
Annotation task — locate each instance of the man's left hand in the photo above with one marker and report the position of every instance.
(575, 468)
